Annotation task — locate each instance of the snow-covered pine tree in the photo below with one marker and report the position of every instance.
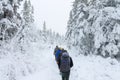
(28, 33)
(28, 12)
(28, 18)
(44, 34)
(10, 20)
(44, 27)
(94, 27)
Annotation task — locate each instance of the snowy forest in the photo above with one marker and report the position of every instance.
(92, 40)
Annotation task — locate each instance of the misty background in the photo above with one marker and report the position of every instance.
(54, 12)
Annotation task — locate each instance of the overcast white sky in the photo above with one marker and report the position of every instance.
(54, 12)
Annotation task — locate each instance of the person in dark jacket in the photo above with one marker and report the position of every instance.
(55, 50)
(57, 53)
(65, 74)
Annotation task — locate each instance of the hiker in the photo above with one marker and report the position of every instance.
(57, 53)
(56, 48)
(65, 63)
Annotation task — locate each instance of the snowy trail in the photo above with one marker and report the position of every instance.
(85, 68)
(48, 68)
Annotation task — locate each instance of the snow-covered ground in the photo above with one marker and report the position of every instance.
(85, 67)
(48, 68)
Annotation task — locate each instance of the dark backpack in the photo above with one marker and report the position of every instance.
(65, 62)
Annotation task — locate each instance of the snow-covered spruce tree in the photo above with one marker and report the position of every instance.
(44, 34)
(94, 27)
(10, 20)
(29, 32)
(28, 12)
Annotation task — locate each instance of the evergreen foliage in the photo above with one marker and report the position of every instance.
(93, 27)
